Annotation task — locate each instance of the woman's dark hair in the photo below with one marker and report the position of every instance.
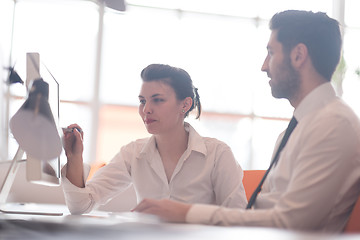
(320, 34)
(178, 79)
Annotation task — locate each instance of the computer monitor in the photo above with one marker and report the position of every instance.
(38, 171)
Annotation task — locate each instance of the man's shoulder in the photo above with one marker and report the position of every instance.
(340, 110)
(334, 119)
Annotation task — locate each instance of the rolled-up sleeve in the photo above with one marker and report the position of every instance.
(106, 183)
(77, 199)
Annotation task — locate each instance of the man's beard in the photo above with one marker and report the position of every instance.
(288, 81)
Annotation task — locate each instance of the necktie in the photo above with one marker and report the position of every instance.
(290, 128)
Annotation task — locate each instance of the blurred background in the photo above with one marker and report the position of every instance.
(96, 54)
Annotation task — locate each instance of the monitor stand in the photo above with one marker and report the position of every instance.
(16, 208)
(23, 209)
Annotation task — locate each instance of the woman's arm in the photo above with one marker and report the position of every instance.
(73, 146)
(227, 178)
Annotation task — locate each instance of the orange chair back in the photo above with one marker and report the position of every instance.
(353, 225)
(251, 180)
(253, 177)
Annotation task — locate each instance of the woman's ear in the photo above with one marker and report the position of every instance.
(186, 104)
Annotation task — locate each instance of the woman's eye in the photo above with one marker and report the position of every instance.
(142, 101)
(158, 100)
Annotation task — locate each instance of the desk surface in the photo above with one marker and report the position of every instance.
(127, 225)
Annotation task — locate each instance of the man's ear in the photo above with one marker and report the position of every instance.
(299, 54)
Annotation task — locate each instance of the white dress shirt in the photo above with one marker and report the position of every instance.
(316, 180)
(206, 173)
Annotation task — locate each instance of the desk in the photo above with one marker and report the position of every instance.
(134, 226)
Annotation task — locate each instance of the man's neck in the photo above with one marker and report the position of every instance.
(307, 86)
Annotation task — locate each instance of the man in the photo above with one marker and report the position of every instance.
(315, 182)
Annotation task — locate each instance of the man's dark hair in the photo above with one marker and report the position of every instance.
(319, 33)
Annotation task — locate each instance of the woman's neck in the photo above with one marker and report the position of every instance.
(173, 143)
(171, 147)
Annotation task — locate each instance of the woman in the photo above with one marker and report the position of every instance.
(174, 163)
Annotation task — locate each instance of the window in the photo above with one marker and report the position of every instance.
(97, 59)
(67, 45)
(351, 84)
(6, 16)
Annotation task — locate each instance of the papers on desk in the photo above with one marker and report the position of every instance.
(32, 209)
(60, 214)
(111, 219)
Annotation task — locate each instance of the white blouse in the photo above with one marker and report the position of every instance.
(207, 172)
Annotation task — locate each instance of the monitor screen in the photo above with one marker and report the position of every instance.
(44, 172)
(37, 171)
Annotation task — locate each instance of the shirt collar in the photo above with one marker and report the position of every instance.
(315, 100)
(195, 143)
(149, 148)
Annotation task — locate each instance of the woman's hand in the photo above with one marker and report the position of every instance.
(73, 141)
(73, 146)
(166, 209)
